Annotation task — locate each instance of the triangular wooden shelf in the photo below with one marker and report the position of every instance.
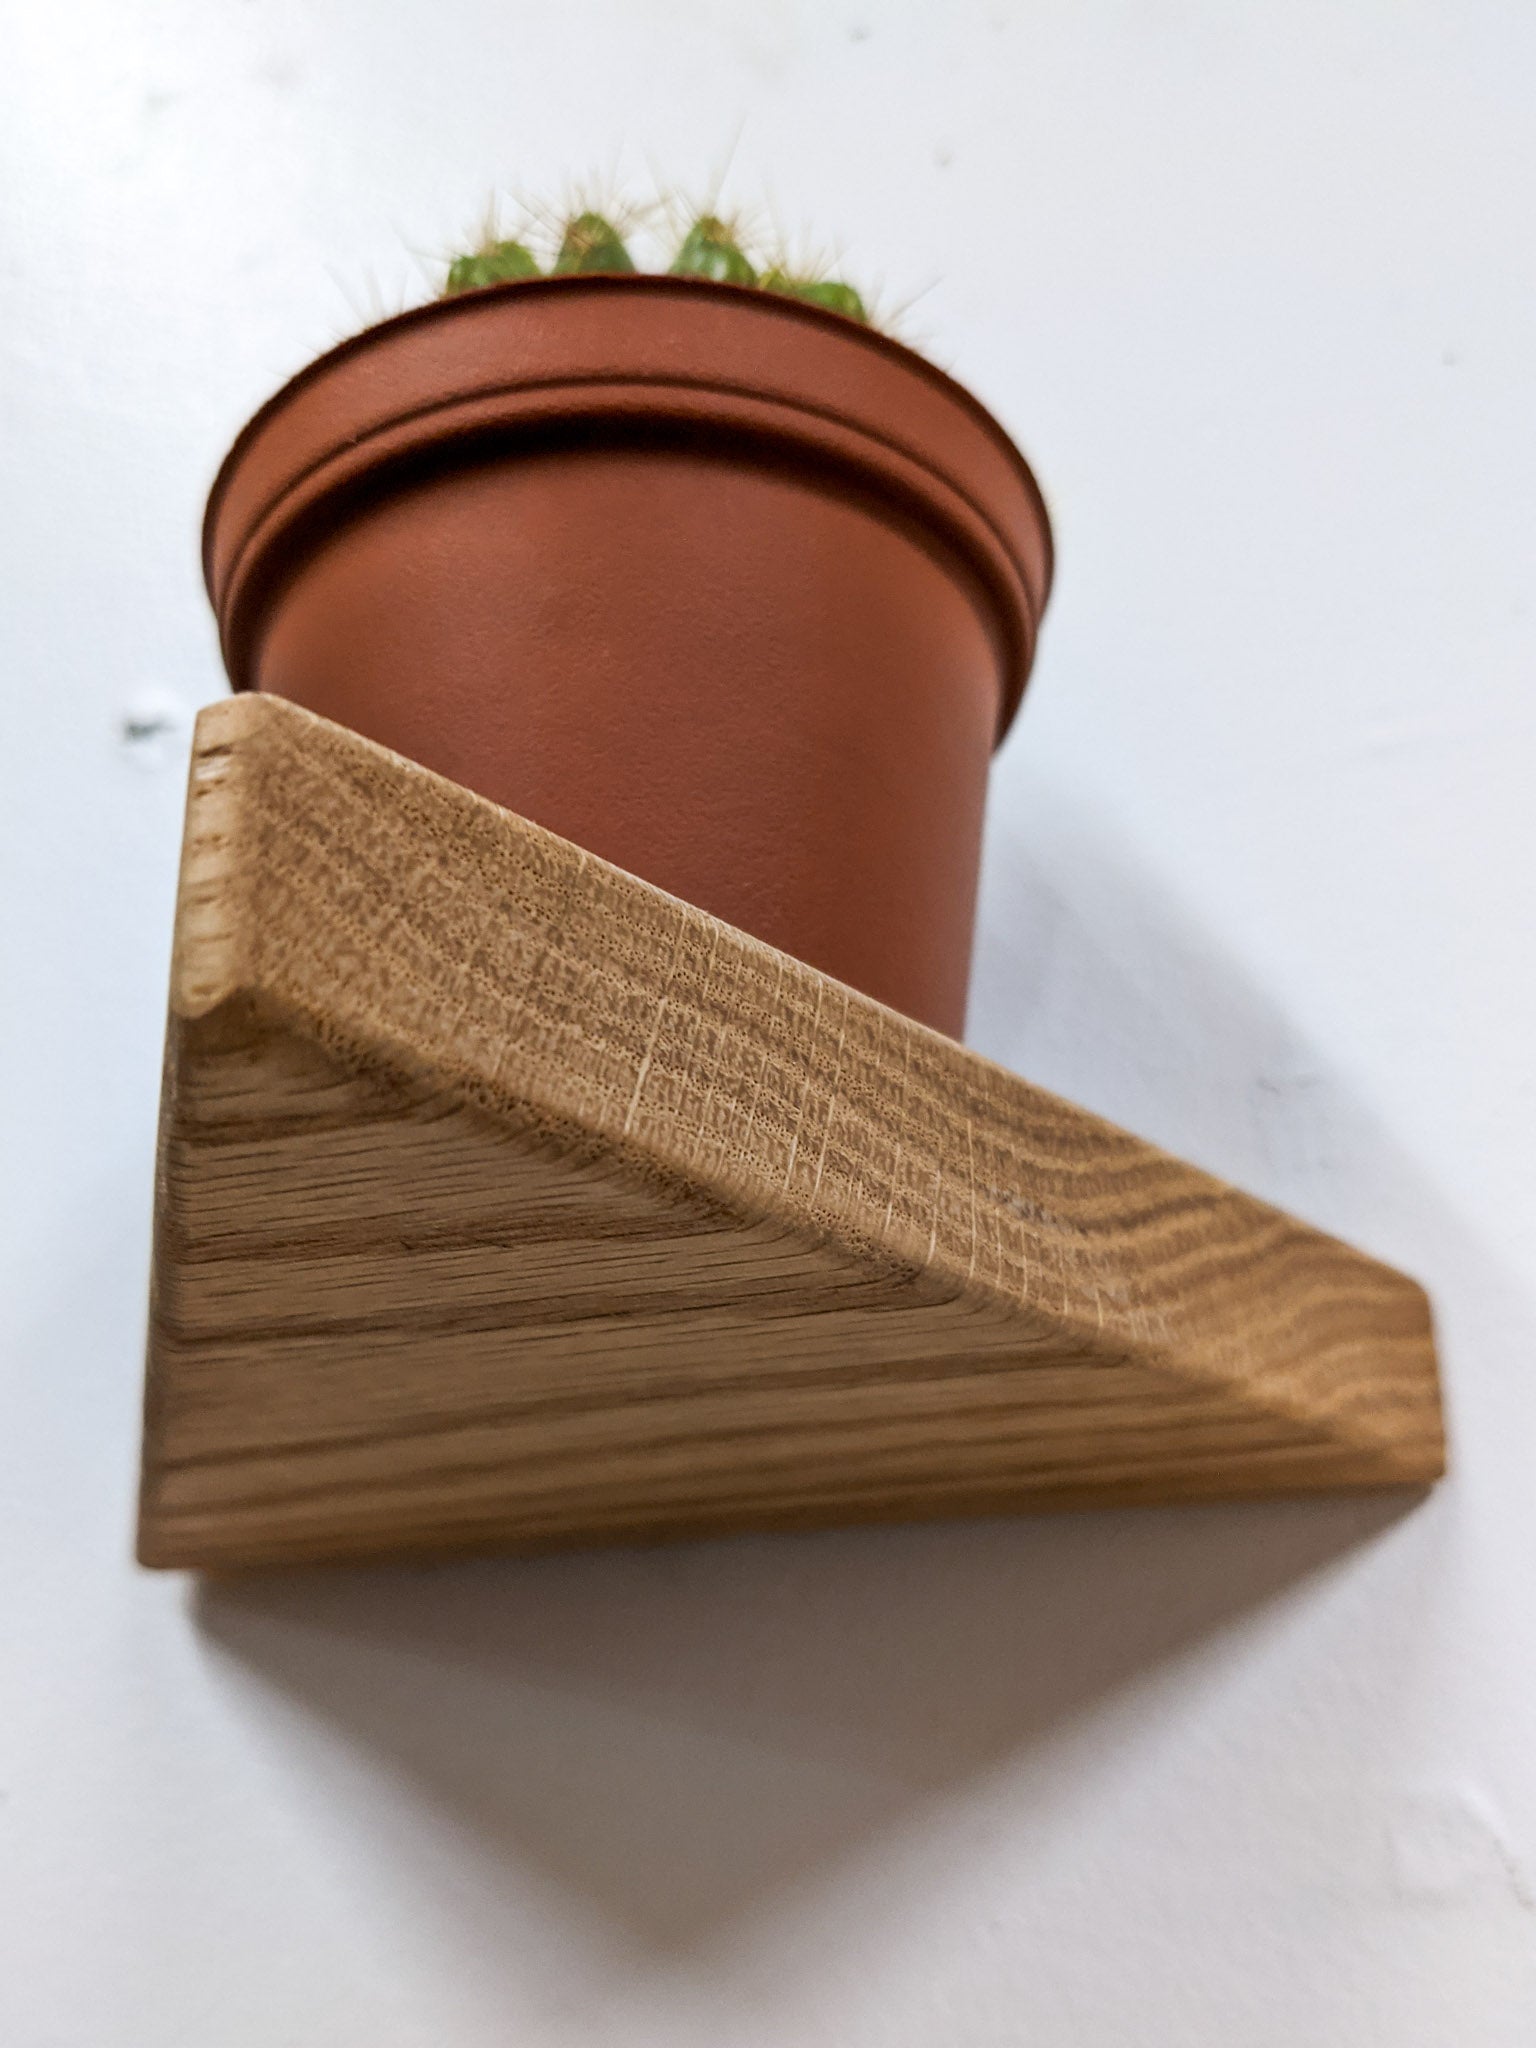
(504, 1200)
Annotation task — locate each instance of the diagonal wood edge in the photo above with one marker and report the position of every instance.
(410, 929)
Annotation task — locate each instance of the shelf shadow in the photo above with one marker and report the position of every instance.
(676, 1735)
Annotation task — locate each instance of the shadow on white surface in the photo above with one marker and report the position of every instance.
(675, 1736)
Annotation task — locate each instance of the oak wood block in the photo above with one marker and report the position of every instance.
(504, 1200)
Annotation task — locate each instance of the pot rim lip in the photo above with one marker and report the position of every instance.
(776, 304)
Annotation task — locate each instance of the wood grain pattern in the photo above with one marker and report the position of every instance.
(505, 1200)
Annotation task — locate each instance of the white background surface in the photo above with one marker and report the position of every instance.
(1254, 287)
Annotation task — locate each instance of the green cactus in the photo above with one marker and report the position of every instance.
(496, 263)
(591, 245)
(710, 249)
(828, 292)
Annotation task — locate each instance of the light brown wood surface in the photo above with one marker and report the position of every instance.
(504, 1200)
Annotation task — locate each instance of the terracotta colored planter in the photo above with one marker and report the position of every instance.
(725, 588)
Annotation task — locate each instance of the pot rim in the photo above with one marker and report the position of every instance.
(1034, 588)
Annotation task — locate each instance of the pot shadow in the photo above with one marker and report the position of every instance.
(676, 1737)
